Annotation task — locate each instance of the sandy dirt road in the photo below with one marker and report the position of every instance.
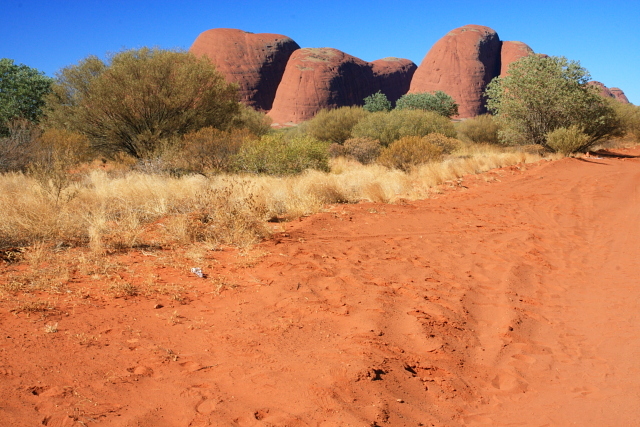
(511, 299)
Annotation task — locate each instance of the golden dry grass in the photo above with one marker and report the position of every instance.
(125, 210)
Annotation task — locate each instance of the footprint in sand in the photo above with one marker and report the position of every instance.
(508, 382)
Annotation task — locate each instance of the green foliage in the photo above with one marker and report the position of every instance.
(377, 102)
(409, 152)
(481, 129)
(273, 154)
(254, 121)
(140, 99)
(438, 102)
(391, 126)
(629, 117)
(568, 140)
(335, 125)
(364, 150)
(22, 92)
(542, 94)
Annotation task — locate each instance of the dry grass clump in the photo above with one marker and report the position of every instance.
(123, 210)
(482, 129)
(409, 152)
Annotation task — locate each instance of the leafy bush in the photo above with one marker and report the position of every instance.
(629, 117)
(364, 150)
(482, 129)
(438, 102)
(542, 94)
(408, 152)
(211, 150)
(377, 102)
(335, 125)
(22, 92)
(141, 98)
(391, 126)
(254, 121)
(568, 140)
(274, 154)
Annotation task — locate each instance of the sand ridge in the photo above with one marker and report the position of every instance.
(509, 299)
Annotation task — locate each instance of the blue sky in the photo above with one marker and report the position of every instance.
(603, 36)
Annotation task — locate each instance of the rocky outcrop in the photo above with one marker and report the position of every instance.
(510, 52)
(614, 92)
(604, 91)
(619, 95)
(393, 76)
(461, 64)
(256, 62)
(317, 78)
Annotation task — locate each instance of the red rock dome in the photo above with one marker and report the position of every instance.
(511, 52)
(256, 62)
(461, 64)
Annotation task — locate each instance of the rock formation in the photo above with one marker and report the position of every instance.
(317, 78)
(619, 95)
(510, 52)
(393, 76)
(614, 92)
(461, 64)
(256, 62)
(604, 91)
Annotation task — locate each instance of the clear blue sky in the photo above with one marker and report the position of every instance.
(603, 35)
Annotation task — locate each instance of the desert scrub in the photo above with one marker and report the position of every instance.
(363, 150)
(335, 125)
(211, 150)
(410, 151)
(481, 129)
(388, 127)
(568, 140)
(275, 154)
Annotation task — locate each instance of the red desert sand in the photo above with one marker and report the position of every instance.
(510, 299)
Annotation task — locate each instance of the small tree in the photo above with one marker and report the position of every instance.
(438, 102)
(22, 92)
(377, 102)
(542, 94)
(140, 99)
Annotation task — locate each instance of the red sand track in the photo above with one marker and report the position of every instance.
(511, 301)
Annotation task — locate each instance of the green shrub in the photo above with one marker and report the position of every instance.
(542, 94)
(629, 117)
(391, 126)
(335, 125)
(568, 140)
(22, 93)
(479, 130)
(254, 121)
(274, 154)
(364, 150)
(377, 102)
(141, 99)
(438, 102)
(408, 152)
